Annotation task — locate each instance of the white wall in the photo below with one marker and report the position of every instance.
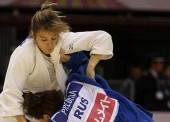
(147, 4)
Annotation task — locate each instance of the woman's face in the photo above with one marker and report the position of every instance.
(46, 40)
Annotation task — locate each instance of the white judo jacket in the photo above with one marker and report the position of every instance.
(27, 70)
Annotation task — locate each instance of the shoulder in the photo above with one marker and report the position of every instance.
(25, 50)
(64, 35)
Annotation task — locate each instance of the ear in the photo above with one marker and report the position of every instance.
(46, 117)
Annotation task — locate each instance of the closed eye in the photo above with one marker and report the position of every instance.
(54, 38)
(43, 40)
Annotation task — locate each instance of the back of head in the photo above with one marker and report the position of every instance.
(49, 19)
(37, 104)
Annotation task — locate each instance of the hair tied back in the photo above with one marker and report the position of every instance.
(48, 5)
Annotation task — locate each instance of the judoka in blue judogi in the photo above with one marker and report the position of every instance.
(89, 100)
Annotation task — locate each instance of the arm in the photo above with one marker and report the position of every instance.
(16, 76)
(97, 42)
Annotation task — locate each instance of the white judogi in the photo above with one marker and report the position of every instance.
(27, 70)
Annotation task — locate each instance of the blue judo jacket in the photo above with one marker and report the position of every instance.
(87, 100)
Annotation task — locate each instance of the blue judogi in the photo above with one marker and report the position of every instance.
(94, 101)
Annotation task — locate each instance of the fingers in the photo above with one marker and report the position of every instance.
(64, 58)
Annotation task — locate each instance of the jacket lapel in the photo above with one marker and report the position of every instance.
(42, 67)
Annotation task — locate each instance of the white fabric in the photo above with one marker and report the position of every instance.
(27, 70)
(52, 72)
(86, 103)
(89, 94)
(98, 42)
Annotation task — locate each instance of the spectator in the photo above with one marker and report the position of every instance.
(129, 86)
(150, 88)
(167, 87)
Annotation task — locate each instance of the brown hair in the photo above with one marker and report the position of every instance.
(37, 104)
(48, 19)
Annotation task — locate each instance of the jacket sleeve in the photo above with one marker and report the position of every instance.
(97, 42)
(11, 97)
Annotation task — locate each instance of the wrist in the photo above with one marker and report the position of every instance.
(91, 66)
(94, 60)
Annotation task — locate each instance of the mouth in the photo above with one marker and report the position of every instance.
(50, 49)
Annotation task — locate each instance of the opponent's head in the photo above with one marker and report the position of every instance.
(42, 105)
(46, 26)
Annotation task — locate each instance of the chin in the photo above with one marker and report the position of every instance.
(49, 52)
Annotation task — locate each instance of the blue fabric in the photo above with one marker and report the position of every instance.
(128, 111)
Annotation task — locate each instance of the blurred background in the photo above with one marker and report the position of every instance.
(140, 31)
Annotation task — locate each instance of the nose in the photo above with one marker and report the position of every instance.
(50, 43)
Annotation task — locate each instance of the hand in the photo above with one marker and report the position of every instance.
(90, 72)
(63, 57)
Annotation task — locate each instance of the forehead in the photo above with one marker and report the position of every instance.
(46, 33)
(158, 59)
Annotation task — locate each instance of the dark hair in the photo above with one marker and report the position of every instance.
(37, 104)
(48, 19)
(154, 57)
